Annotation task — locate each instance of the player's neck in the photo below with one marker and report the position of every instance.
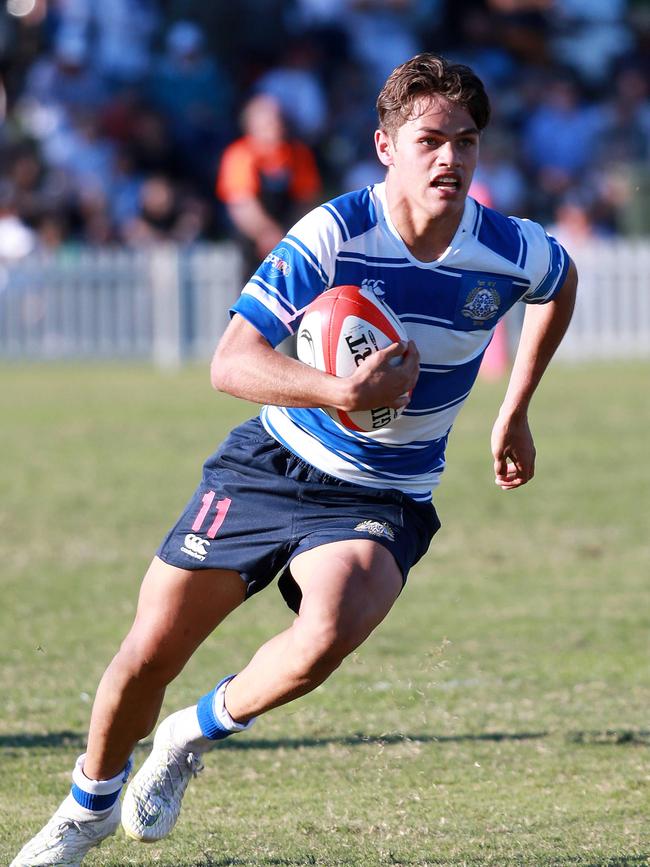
(427, 236)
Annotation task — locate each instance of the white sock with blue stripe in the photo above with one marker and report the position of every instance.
(198, 728)
(93, 799)
(214, 719)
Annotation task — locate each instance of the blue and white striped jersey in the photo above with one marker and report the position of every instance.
(449, 307)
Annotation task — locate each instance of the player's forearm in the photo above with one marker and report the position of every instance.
(245, 365)
(543, 329)
(260, 374)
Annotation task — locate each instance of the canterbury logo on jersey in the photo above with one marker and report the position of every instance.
(195, 546)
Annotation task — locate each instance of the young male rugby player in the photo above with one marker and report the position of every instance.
(340, 516)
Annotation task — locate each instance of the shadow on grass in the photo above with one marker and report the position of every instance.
(619, 861)
(52, 740)
(48, 740)
(242, 862)
(610, 736)
(65, 739)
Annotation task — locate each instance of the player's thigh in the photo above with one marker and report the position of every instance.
(348, 587)
(178, 608)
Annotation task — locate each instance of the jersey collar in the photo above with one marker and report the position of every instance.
(463, 232)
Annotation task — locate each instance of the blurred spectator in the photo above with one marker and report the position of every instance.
(499, 174)
(16, 238)
(266, 179)
(523, 28)
(625, 118)
(297, 88)
(574, 224)
(589, 36)
(67, 79)
(193, 93)
(126, 186)
(559, 137)
(83, 153)
(382, 34)
(117, 34)
(151, 146)
(164, 215)
(99, 99)
(481, 47)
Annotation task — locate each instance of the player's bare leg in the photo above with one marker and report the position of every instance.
(348, 588)
(177, 609)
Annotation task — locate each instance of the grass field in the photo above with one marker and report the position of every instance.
(498, 717)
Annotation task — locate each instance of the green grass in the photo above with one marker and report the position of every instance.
(498, 717)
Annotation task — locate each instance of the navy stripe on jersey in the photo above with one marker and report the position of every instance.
(274, 292)
(557, 269)
(394, 461)
(339, 220)
(502, 235)
(437, 390)
(478, 220)
(521, 259)
(309, 257)
(357, 210)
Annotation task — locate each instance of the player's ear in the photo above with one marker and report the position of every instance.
(384, 146)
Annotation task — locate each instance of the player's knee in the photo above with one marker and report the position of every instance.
(321, 646)
(147, 659)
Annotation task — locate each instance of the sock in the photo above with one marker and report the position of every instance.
(193, 728)
(213, 717)
(92, 799)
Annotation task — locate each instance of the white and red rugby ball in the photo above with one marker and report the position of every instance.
(338, 331)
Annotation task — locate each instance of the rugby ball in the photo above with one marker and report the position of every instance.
(338, 331)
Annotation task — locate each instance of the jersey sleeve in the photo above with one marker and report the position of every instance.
(298, 269)
(546, 262)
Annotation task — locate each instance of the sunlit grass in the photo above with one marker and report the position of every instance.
(498, 716)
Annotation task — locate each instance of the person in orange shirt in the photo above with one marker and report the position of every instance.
(266, 179)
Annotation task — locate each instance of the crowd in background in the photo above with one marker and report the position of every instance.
(115, 115)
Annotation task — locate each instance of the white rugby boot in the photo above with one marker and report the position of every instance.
(64, 841)
(152, 801)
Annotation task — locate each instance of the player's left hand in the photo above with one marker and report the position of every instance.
(513, 450)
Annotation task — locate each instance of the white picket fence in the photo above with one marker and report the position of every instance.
(166, 304)
(612, 315)
(169, 304)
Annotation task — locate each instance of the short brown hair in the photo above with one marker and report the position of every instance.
(430, 75)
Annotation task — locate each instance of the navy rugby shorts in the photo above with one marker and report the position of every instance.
(259, 505)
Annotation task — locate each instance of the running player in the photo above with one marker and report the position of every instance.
(340, 516)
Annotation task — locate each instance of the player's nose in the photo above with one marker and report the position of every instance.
(449, 154)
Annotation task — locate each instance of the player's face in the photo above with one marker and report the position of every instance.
(432, 157)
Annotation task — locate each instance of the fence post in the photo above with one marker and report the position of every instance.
(167, 339)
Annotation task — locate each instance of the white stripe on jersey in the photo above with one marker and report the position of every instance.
(313, 451)
(266, 295)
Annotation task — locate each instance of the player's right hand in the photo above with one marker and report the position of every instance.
(385, 378)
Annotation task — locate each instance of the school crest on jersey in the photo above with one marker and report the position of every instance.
(482, 302)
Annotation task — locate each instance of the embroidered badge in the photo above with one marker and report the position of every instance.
(376, 528)
(482, 302)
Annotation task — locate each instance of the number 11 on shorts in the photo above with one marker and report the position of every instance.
(221, 507)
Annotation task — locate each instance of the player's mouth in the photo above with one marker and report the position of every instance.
(447, 182)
